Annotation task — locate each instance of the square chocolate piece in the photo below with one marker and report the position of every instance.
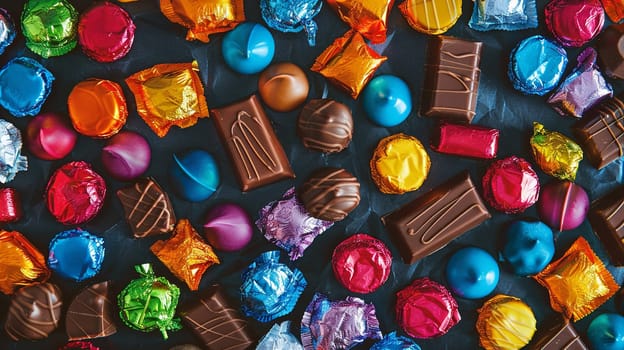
(606, 216)
(560, 335)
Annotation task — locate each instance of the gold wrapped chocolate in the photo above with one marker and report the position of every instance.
(505, 323)
(556, 154)
(21, 264)
(204, 17)
(369, 17)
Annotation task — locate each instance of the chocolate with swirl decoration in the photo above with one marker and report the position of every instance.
(90, 314)
(432, 220)
(325, 125)
(147, 208)
(330, 194)
(34, 313)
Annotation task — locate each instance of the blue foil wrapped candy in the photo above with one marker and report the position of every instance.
(24, 86)
(248, 48)
(76, 254)
(292, 16)
(269, 288)
(393, 341)
(7, 30)
(503, 15)
(279, 338)
(11, 158)
(536, 65)
(194, 175)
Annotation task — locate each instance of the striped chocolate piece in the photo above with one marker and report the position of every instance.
(606, 216)
(90, 314)
(147, 208)
(330, 194)
(560, 334)
(34, 313)
(219, 325)
(432, 220)
(601, 132)
(325, 125)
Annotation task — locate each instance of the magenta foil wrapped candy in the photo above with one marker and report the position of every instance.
(289, 226)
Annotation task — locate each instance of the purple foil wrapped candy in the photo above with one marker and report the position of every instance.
(583, 88)
(333, 325)
(279, 338)
(289, 226)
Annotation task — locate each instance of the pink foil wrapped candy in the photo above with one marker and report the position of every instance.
(510, 185)
(574, 22)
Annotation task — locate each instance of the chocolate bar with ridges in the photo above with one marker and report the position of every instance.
(607, 219)
(559, 335)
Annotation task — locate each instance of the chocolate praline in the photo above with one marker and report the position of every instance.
(330, 194)
(34, 313)
(283, 86)
(325, 125)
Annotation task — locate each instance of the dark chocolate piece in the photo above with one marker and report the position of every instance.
(606, 216)
(559, 335)
(147, 208)
(219, 325)
(90, 314)
(451, 79)
(255, 151)
(601, 132)
(325, 125)
(330, 194)
(34, 313)
(432, 220)
(611, 50)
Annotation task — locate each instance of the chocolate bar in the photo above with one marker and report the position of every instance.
(559, 335)
(432, 220)
(451, 79)
(606, 216)
(465, 140)
(601, 132)
(246, 133)
(610, 50)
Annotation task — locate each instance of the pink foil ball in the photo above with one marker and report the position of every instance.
(50, 137)
(228, 227)
(563, 205)
(126, 156)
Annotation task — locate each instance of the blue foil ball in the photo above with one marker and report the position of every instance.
(24, 86)
(472, 273)
(194, 175)
(387, 100)
(292, 16)
(76, 254)
(529, 247)
(248, 48)
(606, 332)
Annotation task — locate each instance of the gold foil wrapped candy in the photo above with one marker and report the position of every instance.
(204, 17)
(505, 323)
(556, 154)
(369, 17)
(21, 264)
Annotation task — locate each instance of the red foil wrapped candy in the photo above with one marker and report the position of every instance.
(80, 345)
(75, 193)
(574, 22)
(105, 32)
(511, 185)
(466, 140)
(10, 205)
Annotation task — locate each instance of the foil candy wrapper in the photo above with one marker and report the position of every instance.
(24, 86)
(368, 17)
(614, 9)
(76, 254)
(574, 22)
(556, 154)
(11, 158)
(21, 264)
(466, 140)
(511, 185)
(292, 16)
(50, 27)
(7, 30)
(392, 341)
(503, 15)
(79, 345)
(505, 322)
(279, 338)
(10, 205)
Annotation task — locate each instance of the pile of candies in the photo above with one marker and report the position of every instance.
(397, 266)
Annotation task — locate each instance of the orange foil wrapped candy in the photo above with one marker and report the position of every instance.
(97, 108)
(21, 264)
(614, 9)
(186, 254)
(348, 62)
(369, 17)
(204, 17)
(431, 16)
(578, 283)
(169, 94)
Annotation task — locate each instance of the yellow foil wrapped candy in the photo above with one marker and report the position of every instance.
(431, 16)
(21, 264)
(186, 254)
(400, 164)
(505, 323)
(169, 94)
(348, 62)
(369, 17)
(557, 155)
(578, 283)
(204, 17)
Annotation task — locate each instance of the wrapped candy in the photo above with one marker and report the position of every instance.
(279, 338)
(368, 17)
(11, 158)
(7, 30)
(270, 289)
(292, 16)
(76, 254)
(288, 225)
(511, 185)
(21, 264)
(79, 345)
(349, 63)
(149, 303)
(505, 322)
(24, 86)
(574, 22)
(169, 94)
(556, 154)
(204, 17)
(50, 27)
(578, 282)
(583, 88)
(503, 15)
(431, 17)
(393, 341)
(10, 205)
(614, 9)
(186, 254)
(465, 140)
(105, 32)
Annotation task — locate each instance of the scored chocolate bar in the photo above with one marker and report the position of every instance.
(451, 79)
(432, 220)
(607, 219)
(255, 151)
(560, 334)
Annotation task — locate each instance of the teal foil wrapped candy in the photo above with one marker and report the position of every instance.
(292, 16)
(24, 86)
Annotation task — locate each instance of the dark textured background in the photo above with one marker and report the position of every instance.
(159, 41)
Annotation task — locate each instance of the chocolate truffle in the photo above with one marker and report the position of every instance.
(147, 208)
(563, 205)
(611, 50)
(283, 86)
(34, 313)
(325, 125)
(330, 194)
(90, 314)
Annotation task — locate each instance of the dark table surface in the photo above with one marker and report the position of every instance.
(160, 41)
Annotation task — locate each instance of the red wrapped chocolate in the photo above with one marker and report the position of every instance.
(465, 140)
(75, 193)
(362, 263)
(105, 32)
(80, 345)
(10, 205)
(511, 185)
(574, 22)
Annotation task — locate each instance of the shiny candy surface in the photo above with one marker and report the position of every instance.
(292, 16)
(79, 345)
(50, 27)
(393, 341)
(614, 9)
(283, 86)
(505, 323)
(105, 32)
(574, 22)
(21, 263)
(49, 136)
(529, 247)
(556, 154)
(195, 175)
(7, 30)
(511, 185)
(387, 100)
(11, 159)
(227, 227)
(472, 273)
(204, 17)
(431, 16)
(248, 48)
(76, 254)
(10, 205)
(126, 155)
(24, 86)
(606, 332)
(466, 140)
(563, 205)
(369, 17)
(279, 337)
(34, 312)
(503, 15)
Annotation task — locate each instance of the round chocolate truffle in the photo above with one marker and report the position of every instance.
(563, 205)
(330, 194)
(228, 227)
(34, 313)
(283, 86)
(50, 137)
(325, 125)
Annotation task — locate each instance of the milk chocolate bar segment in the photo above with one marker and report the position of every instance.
(607, 219)
(431, 221)
(557, 336)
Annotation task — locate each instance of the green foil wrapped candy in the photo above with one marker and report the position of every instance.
(50, 27)
(556, 154)
(149, 303)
